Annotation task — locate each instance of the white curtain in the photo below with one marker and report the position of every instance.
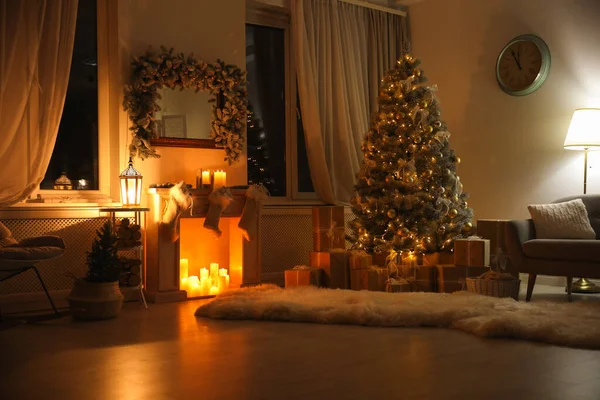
(342, 51)
(36, 46)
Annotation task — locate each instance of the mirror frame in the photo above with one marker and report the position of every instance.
(226, 84)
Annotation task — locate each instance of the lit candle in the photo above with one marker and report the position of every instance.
(206, 177)
(193, 286)
(223, 282)
(183, 268)
(214, 290)
(184, 284)
(223, 272)
(220, 179)
(214, 270)
(203, 274)
(205, 286)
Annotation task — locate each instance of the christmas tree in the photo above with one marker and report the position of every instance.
(408, 195)
(258, 154)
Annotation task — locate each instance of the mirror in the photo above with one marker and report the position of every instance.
(183, 114)
(179, 101)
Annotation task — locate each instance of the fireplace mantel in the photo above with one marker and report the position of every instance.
(163, 255)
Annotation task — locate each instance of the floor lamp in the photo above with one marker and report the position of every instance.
(584, 134)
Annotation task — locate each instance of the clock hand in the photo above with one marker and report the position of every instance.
(516, 60)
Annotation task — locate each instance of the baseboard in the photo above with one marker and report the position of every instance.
(549, 280)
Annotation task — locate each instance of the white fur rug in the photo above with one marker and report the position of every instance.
(570, 324)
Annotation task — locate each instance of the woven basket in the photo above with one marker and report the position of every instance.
(494, 287)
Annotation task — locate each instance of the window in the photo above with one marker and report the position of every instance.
(275, 136)
(75, 153)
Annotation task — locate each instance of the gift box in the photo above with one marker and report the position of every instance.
(472, 252)
(495, 231)
(422, 278)
(328, 228)
(336, 270)
(359, 259)
(373, 278)
(433, 259)
(452, 278)
(380, 259)
(398, 286)
(303, 276)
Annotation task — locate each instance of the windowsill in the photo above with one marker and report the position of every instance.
(285, 202)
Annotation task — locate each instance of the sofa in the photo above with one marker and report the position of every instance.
(558, 257)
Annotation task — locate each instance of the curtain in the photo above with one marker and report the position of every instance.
(341, 51)
(36, 46)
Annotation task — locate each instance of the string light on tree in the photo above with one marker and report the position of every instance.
(408, 195)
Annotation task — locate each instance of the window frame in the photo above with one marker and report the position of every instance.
(279, 17)
(109, 84)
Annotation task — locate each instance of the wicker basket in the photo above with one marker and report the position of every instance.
(495, 287)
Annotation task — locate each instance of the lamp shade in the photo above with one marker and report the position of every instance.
(584, 131)
(131, 186)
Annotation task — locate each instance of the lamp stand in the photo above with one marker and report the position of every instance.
(582, 285)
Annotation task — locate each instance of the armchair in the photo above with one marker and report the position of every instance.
(558, 257)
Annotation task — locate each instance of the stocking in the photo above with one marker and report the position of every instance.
(249, 220)
(179, 200)
(219, 200)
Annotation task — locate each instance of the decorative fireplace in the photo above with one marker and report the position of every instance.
(236, 257)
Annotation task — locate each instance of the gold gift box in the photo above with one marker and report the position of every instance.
(328, 228)
(359, 259)
(372, 278)
(336, 270)
(303, 277)
(472, 252)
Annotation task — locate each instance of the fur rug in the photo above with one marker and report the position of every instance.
(570, 324)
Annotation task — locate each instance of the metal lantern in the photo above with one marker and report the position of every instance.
(131, 186)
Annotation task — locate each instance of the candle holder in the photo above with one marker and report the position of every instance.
(204, 178)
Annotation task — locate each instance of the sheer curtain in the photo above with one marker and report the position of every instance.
(36, 45)
(341, 50)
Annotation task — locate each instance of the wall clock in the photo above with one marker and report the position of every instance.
(523, 65)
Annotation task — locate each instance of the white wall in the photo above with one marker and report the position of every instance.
(209, 29)
(511, 147)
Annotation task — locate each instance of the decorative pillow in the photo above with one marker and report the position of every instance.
(6, 237)
(568, 220)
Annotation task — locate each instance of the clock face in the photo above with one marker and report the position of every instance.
(523, 65)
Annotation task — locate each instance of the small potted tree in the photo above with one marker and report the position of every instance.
(97, 296)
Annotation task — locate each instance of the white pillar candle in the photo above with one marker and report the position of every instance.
(203, 273)
(214, 270)
(222, 272)
(214, 290)
(205, 286)
(184, 284)
(183, 268)
(219, 179)
(206, 177)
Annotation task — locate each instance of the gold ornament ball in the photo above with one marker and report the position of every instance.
(399, 115)
(410, 179)
(433, 159)
(391, 213)
(389, 179)
(430, 172)
(458, 160)
(465, 204)
(403, 231)
(391, 225)
(453, 212)
(362, 231)
(467, 228)
(424, 104)
(417, 139)
(412, 147)
(428, 129)
(425, 148)
(370, 182)
(441, 229)
(455, 197)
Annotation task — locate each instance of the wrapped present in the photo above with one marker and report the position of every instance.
(472, 252)
(495, 231)
(359, 259)
(303, 275)
(433, 259)
(328, 228)
(422, 278)
(380, 259)
(336, 271)
(452, 278)
(398, 286)
(373, 278)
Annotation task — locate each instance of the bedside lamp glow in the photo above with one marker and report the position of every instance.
(131, 186)
(584, 134)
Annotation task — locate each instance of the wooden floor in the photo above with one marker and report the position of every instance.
(167, 353)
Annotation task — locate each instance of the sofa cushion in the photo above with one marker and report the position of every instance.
(563, 249)
(568, 220)
(29, 253)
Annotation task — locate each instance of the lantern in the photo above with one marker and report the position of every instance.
(131, 186)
